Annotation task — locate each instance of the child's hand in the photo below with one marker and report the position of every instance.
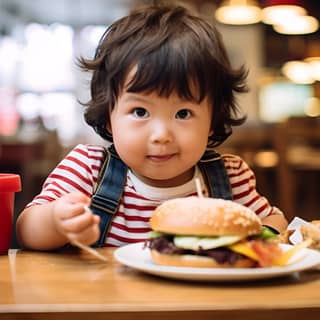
(73, 221)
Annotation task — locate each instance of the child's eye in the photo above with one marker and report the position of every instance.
(183, 114)
(140, 113)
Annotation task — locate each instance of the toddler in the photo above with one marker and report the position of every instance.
(163, 94)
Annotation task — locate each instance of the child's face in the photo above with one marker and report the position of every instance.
(160, 139)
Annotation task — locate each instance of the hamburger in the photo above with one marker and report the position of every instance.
(210, 233)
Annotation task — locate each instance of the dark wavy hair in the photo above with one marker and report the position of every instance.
(173, 50)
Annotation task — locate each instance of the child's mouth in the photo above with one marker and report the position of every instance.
(160, 158)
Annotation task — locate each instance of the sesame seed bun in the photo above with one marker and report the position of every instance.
(205, 217)
(195, 261)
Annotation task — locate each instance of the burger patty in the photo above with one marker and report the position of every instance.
(221, 255)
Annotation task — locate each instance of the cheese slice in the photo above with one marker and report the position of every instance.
(245, 249)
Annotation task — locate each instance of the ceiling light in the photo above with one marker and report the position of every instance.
(275, 14)
(298, 72)
(238, 12)
(314, 63)
(297, 25)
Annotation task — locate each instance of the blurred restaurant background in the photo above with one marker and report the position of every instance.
(41, 118)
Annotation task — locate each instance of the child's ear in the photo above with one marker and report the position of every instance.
(210, 133)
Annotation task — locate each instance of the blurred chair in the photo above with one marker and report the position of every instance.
(33, 160)
(45, 161)
(253, 142)
(297, 142)
(16, 157)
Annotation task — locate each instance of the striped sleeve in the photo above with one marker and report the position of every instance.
(78, 171)
(243, 184)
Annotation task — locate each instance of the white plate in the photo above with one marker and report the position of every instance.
(139, 258)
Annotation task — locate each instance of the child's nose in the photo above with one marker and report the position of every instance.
(161, 133)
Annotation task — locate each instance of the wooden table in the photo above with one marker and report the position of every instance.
(72, 285)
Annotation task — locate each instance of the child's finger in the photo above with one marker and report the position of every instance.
(69, 210)
(96, 219)
(77, 223)
(76, 197)
(87, 236)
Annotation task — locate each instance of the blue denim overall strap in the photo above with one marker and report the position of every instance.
(106, 199)
(215, 174)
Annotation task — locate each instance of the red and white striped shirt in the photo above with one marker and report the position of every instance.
(79, 170)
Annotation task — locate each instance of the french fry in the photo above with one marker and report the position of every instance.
(286, 256)
(89, 250)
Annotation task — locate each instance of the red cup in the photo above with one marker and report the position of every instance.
(9, 184)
